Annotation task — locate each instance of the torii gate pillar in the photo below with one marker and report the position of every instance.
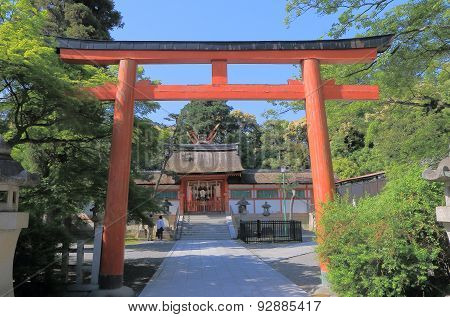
(219, 54)
(113, 247)
(318, 142)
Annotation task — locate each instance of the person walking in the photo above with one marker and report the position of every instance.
(160, 228)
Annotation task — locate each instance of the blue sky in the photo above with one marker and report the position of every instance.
(219, 20)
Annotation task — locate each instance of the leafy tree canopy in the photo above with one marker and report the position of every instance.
(409, 123)
(56, 129)
(86, 19)
(273, 144)
(388, 245)
(202, 116)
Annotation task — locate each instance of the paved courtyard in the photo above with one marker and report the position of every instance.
(214, 268)
(297, 261)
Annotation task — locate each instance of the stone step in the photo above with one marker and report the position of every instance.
(211, 225)
(209, 229)
(205, 227)
(206, 235)
(201, 238)
(206, 222)
(205, 232)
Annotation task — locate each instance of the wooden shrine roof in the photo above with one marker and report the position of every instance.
(205, 159)
(246, 177)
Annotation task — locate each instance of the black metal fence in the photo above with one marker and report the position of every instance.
(270, 231)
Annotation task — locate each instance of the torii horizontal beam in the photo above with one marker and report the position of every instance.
(128, 54)
(108, 57)
(294, 90)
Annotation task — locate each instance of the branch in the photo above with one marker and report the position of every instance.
(27, 139)
(18, 103)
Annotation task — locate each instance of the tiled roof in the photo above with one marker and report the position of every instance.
(381, 42)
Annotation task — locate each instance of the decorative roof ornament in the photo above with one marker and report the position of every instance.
(200, 138)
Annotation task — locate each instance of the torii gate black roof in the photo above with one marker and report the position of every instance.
(381, 43)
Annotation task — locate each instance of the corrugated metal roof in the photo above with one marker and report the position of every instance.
(360, 178)
(381, 42)
(270, 177)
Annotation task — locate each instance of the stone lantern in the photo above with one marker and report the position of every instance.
(242, 205)
(166, 206)
(12, 176)
(442, 174)
(266, 207)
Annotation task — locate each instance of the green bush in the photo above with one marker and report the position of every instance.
(390, 244)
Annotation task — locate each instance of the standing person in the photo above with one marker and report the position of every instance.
(150, 224)
(160, 227)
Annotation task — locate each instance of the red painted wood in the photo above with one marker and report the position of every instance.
(294, 90)
(112, 259)
(108, 57)
(226, 195)
(219, 72)
(318, 142)
(183, 195)
(314, 91)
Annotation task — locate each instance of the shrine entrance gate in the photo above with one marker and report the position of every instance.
(128, 54)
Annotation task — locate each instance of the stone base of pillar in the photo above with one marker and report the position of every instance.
(443, 216)
(11, 223)
(116, 292)
(324, 278)
(324, 289)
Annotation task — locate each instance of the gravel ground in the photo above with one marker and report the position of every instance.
(141, 262)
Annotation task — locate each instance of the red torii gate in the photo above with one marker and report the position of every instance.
(128, 54)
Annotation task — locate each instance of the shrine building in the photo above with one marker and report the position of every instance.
(209, 178)
(218, 185)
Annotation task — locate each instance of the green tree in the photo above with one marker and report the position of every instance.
(390, 244)
(86, 19)
(58, 131)
(409, 123)
(248, 135)
(202, 116)
(273, 143)
(284, 143)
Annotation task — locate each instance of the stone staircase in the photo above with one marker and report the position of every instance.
(205, 227)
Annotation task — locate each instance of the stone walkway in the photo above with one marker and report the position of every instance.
(297, 261)
(212, 268)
